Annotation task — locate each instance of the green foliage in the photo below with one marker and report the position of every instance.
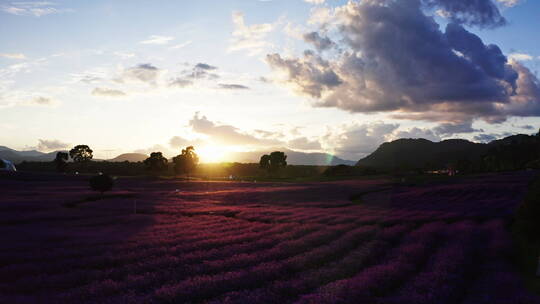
(264, 163)
(101, 183)
(156, 162)
(81, 153)
(61, 161)
(186, 162)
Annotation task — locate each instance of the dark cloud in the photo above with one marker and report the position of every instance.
(449, 129)
(481, 13)
(108, 92)
(527, 127)
(144, 72)
(319, 42)
(396, 59)
(227, 134)
(232, 86)
(51, 145)
(205, 66)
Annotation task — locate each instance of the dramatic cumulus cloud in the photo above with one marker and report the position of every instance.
(32, 8)
(145, 72)
(227, 134)
(47, 145)
(396, 58)
(155, 39)
(107, 92)
(250, 38)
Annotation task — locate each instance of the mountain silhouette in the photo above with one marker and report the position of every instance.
(130, 157)
(422, 153)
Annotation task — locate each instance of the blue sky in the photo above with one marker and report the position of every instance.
(159, 75)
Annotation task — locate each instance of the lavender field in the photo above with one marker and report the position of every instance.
(243, 242)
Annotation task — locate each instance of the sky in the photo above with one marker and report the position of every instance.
(318, 76)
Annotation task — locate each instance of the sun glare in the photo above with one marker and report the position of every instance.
(211, 154)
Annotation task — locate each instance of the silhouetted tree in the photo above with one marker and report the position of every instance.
(61, 161)
(264, 163)
(186, 162)
(101, 183)
(274, 161)
(156, 162)
(81, 153)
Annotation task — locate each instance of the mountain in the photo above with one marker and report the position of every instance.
(20, 156)
(293, 158)
(421, 153)
(130, 157)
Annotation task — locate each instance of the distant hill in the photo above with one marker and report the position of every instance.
(293, 158)
(421, 153)
(20, 156)
(130, 157)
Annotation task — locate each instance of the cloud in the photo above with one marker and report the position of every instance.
(13, 55)
(520, 57)
(527, 127)
(486, 138)
(227, 134)
(448, 129)
(32, 8)
(355, 141)
(509, 3)
(321, 43)
(107, 92)
(205, 66)
(200, 71)
(482, 13)
(144, 72)
(232, 86)
(159, 40)
(42, 101)
(396, 59)
(303, 143)
(249, 38)
(181, 45)
(178, 142)
(51, 145)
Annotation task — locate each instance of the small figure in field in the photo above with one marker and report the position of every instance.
(186, 162)
(101, 183)
(61, 161)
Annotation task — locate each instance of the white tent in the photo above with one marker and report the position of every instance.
(6, 165)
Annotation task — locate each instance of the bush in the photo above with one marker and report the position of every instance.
(101, 183)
